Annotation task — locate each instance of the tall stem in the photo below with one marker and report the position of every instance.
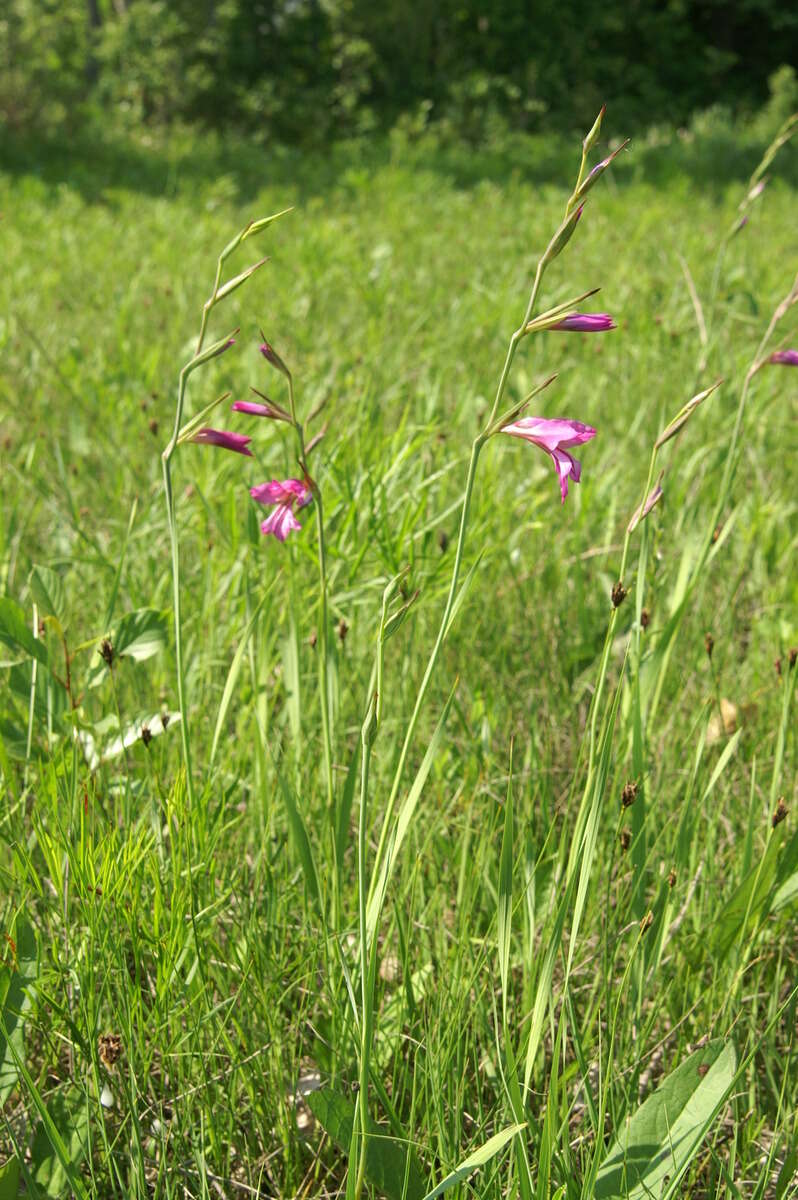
(171, 513)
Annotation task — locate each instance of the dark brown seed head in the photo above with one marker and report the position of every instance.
(443, 540)
(109, 1047)
(780, 813)
(629, 794)
(165, 719)
(153, 427)
(645, 619)
(343, 630)
(618, 594)
(146, 735)
(625, 839)
(793, 656)
(671, 878)
(709, 644)
(716, 532)
(777, 665)
(647, 922)
(106, 652)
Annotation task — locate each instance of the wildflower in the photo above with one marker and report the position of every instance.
(555, 436)
(222, 437)
(785, 358)
(585, 323)
(286, 495)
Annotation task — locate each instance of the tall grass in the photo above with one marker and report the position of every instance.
(472, 859)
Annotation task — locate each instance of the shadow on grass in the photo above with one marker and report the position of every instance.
(95, 165)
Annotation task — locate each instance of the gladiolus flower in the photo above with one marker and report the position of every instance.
(585, 323)
(787, 358)
(221, 437)
(556, 437)
(286, 495)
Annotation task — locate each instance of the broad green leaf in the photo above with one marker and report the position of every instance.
(662, 1136)
(388, 1161)
(15, 977)
(138, 635)
(53, 1163)
(16, 633)
(9, 1179)
(47, 589)
(478, 1159)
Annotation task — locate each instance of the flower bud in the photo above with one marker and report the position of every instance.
(562, 237)
(591, 139)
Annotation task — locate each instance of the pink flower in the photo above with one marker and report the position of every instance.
(286, 495)
(787, 358)
(585, 323)
(555, 436)
(221, 437)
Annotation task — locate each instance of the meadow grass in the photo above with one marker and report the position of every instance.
(200, 928)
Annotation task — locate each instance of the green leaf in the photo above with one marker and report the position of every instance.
(9, 1179)
(47, 589)
(506, 890)
(59, 1144)
(478, 1159)
(403, 821)
(137, 636)
(15, 631)
(388, 1161)
(666, 1131)
(299, 837)
(15, 977)
(232, 676)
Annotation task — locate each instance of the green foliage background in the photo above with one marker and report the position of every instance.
(313, 69)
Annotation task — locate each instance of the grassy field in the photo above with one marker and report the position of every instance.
(181, 991)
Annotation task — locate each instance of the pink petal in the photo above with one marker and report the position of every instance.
(282, 491)
(566, 465)
(551, 433)
(281, 522)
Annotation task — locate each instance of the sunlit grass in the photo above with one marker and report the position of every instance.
(392, 293)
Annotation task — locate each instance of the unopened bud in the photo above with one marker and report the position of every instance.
(683, 416)
(562, 237)
(270, 354)
(642, 511)
(591, 139)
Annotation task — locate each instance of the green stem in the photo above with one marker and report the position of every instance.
(366, 968)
